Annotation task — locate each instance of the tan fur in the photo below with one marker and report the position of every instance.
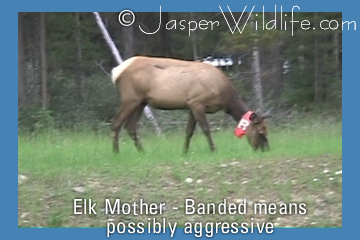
(169, 84)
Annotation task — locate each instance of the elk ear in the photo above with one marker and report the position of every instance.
(266, 115)
(254, 118)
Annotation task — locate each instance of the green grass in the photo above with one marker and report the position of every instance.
(59, 151)
(55, 162)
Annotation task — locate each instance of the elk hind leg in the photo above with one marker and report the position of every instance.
(124, 113)
(131, 125)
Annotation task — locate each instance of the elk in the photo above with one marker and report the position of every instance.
(257, 136)
(170, 84)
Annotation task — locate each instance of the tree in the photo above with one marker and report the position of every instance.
(44, 90)
(128, 40)
(194, 40)
(81, 77)
(165, 39)
(118, 58)
(317, 82)
(21, 75)
(58, 53)
(257, 71)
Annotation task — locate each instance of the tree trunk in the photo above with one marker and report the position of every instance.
(336, 55)
(279, 69)
(21, 75)
(257, 72)
(257, 78)
(317, 87)
(110, 42)
(108, 39)
(301, 58)
(81, 77)
(193, 36)
(44, 92)
(165, 39)
(128, 41)
(279, 62)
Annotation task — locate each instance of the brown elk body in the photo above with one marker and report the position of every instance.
(169, 84)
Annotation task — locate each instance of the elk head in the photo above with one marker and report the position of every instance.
(257, 132)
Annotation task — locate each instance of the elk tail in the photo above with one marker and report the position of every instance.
(117, 71)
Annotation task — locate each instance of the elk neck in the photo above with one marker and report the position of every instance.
(236, 107)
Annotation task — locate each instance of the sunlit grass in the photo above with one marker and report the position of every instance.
(53, 152)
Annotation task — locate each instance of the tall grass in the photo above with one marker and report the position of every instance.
(51, 152)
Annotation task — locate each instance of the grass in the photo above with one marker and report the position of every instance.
(56, 162)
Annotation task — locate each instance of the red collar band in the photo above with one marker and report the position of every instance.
(244, 123)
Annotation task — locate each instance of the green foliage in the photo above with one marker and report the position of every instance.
(44, 120)
(26, 119)
(89, 106)
(35, 119)
(99, 104)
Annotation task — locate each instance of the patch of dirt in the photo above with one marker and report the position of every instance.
(44, 203)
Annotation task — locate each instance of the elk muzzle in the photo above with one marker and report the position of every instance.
(257, 139)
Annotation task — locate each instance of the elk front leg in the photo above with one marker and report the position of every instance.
(200, 116)
(189, 131)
